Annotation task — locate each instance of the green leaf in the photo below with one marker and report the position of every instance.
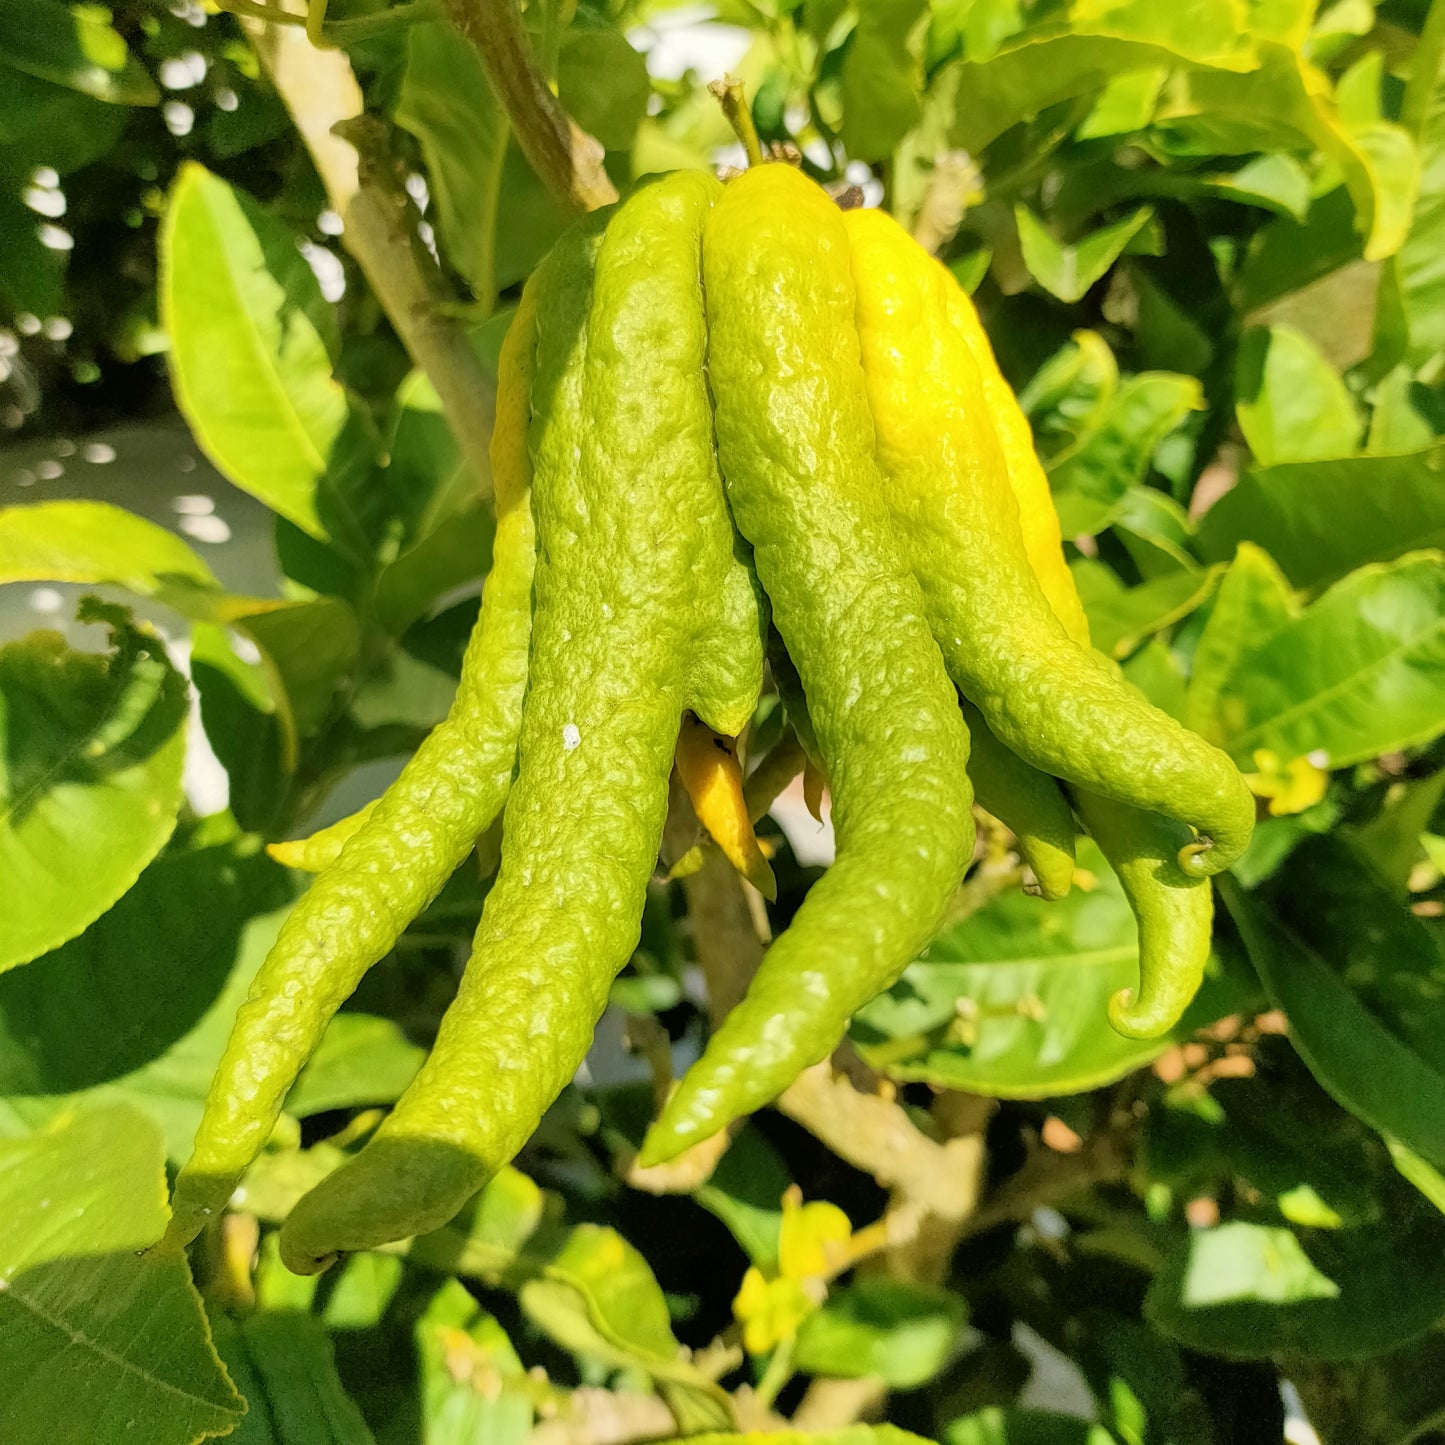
(602, 82)
(457, 552)
(1358, 673)
(903, 1333)
(362, 1059)
(1391, 843)
(1125, 105)
(253, 345)
(1253, 602)
(1253, 1291)
(1069, 271)
(109, 1346)
(1297, 511)
(142, 1003)
(1275, 182)
(1122, 620)
(745, 1191)
(597, 1297)
(881, 79)
(90, 776)
(1091, 478)
(74, 46)
(284, 1364)
(850, 1435)
(1291, 403)
(446, 102)
(1259, 110)
(1410, 322)
(1010, 1002)
(1364, 1064)
(473, 1386)
(1063, 58)
(996, 1426)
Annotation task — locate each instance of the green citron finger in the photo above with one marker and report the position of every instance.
(1175, 913)
(634, 548)
(796, 446)
(1059, 706)
(1025, 801)
(322, 848)
(396, 862)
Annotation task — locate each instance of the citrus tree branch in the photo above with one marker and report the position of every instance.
(567, 159)
(319, 90)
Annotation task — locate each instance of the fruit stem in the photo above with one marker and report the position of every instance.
(730, 94)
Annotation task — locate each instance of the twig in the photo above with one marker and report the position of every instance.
(834, 1404)
(320, 91)
(606, 1417)
(954, 184)
(566, 159)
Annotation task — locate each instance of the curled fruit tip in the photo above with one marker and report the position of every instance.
(1193, 857)
(1125, 1017)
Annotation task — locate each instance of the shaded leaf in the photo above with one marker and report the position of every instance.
(284, 1365)
(74, 46)
(1121, 620)
(1321, 519)
(446, 102)
(880, 79)
(104, 1341)
(901, 1332)
(1253, 1291)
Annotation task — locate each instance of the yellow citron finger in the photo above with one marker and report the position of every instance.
(708, 765)
(323, 847)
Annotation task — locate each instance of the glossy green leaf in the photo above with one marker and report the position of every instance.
(1069, 271)
(1358, 673)
(1124, 105)
(1274, 182)
(95, 542)
(880, 79)
(1119, 622)
(284, 1365)
(473, 1386)
(446, 102)
(1060, 59)
(903, 1333)
(1253, 1291)
(74, 46)
(104, 1345)
(1285, 95)
(362, 1059)
(90, 776)
(1294, 511)
(1407, 416)
(1011, 1002)
(1291, 403)
(252, 347)
(850, 1435)
(1157, 531)
(1253, 602)
(996, 1426)
(1091, 478)
(598, 1297)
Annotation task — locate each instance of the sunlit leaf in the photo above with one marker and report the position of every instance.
(90, 776)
